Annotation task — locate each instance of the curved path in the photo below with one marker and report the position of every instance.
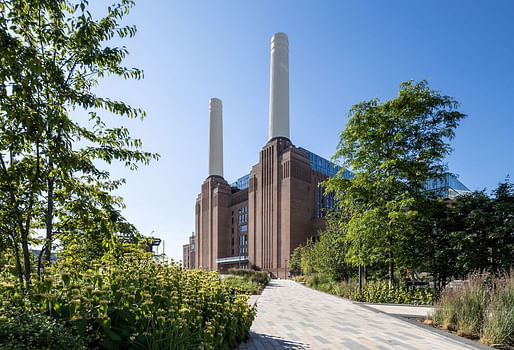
(291, 316)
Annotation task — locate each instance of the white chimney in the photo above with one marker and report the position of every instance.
(279, 87)
(215, 138)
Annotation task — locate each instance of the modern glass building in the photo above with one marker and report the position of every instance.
(447, 187)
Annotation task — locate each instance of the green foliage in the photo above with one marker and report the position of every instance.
(295, 261)
(130, 301)
(23, 329)
(256, 267)
(472, 233)
(481, 230)
(372, 292)
(381, 292)
(482, 307)
(306, 257)
(328, 254)
(54, 54)
(247, 281)
(242, 285)
(392, 148)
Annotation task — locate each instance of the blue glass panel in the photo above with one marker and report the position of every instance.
(242, 182)
(324, 166)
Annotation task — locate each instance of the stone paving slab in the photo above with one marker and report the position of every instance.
(293, 317)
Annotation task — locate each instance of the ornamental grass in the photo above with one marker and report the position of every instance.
(483, 307)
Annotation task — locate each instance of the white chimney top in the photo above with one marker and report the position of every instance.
(279, 87)
(215, 138)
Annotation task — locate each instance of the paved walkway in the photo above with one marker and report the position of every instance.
(291, 316)
(402, 310)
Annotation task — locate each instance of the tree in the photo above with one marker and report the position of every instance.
(392, 148)
(295, 261)
(502, 236)
(482, 231)
(54, 53)
(328, 255)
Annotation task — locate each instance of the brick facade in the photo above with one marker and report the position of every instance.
(262, 224)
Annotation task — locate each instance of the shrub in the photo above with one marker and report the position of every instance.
(372, 292)
(260, 277)
(241, 285)
(130, 301)
(300, 278)
(380, 292)
(246, 281)
(22, 329)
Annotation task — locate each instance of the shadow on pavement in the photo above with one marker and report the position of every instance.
(265, 341)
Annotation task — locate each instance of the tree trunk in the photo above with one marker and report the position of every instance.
(49, 219)
(26, 255)
(391, 265)
(18, 262)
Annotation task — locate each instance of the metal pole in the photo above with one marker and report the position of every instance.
(360, 269)
(360, 278)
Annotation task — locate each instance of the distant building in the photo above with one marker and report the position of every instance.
(447, 187)
(188, 253)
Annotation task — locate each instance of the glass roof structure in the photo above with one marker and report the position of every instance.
(242, 182)
(447, 186)
(324, 166)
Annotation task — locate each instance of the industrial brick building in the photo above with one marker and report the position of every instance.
(263, 216)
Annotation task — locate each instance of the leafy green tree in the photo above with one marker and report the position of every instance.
(54, 53)
(392, 148)
(473, 232)
(472, 222)
(295, 261)
(328, 255)
(502, 236)
(482, 231)
(301, 259)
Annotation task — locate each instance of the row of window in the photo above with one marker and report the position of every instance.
(243, 240)
(324, 204)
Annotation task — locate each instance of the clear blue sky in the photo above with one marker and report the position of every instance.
(341, 53)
